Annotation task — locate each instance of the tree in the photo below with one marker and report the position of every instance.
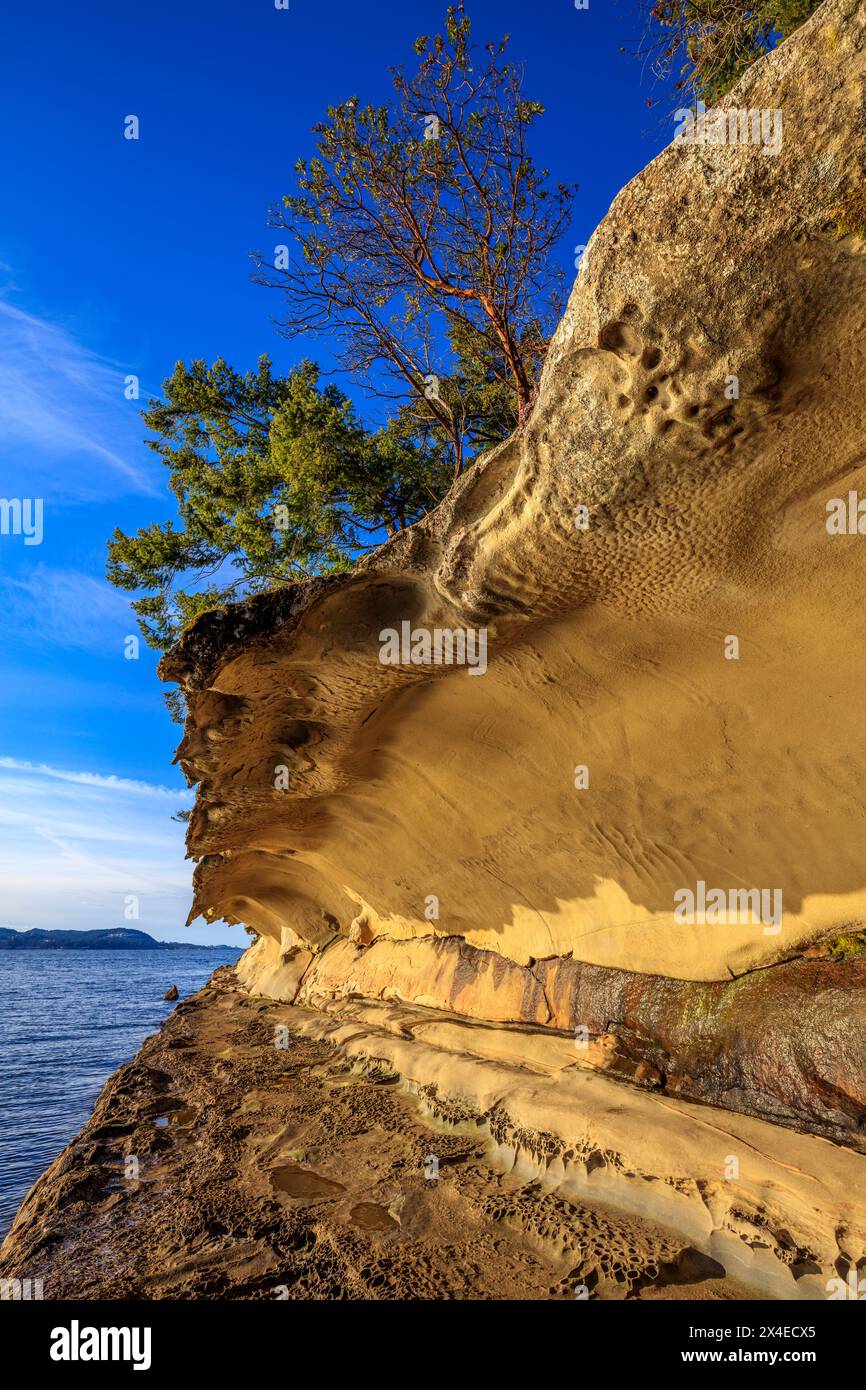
(275, 480)
(423, 247)
(481, 403)
(422, 240)
(718, 39)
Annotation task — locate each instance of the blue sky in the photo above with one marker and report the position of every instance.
(119, 257)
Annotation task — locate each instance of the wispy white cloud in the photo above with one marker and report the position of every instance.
(123, 785)
(75, 845)
(65, 608)
(61, 402)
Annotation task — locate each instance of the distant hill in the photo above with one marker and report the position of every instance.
(114, 939)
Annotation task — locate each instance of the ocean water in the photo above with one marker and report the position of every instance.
(68, 1019)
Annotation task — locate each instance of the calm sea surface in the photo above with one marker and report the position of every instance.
(68, 1019)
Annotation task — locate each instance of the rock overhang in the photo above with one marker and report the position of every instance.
(613, 755)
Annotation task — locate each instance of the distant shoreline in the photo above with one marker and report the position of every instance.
(110, 939)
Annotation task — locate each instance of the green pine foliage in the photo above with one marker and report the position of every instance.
(275, 480)
(717, 40)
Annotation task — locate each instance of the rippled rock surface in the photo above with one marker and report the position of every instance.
(636, 808)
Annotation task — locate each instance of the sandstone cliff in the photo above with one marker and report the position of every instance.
(666, 568)
(427, 806)
(560, 980)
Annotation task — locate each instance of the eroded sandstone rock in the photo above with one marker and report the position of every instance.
(784, 1043)
(674, 646)
(217, 1166)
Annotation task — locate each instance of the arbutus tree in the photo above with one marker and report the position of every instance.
(422, 238)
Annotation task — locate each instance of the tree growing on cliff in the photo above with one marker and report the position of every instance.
(716, 40)
(275, 480)
(421, 238)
